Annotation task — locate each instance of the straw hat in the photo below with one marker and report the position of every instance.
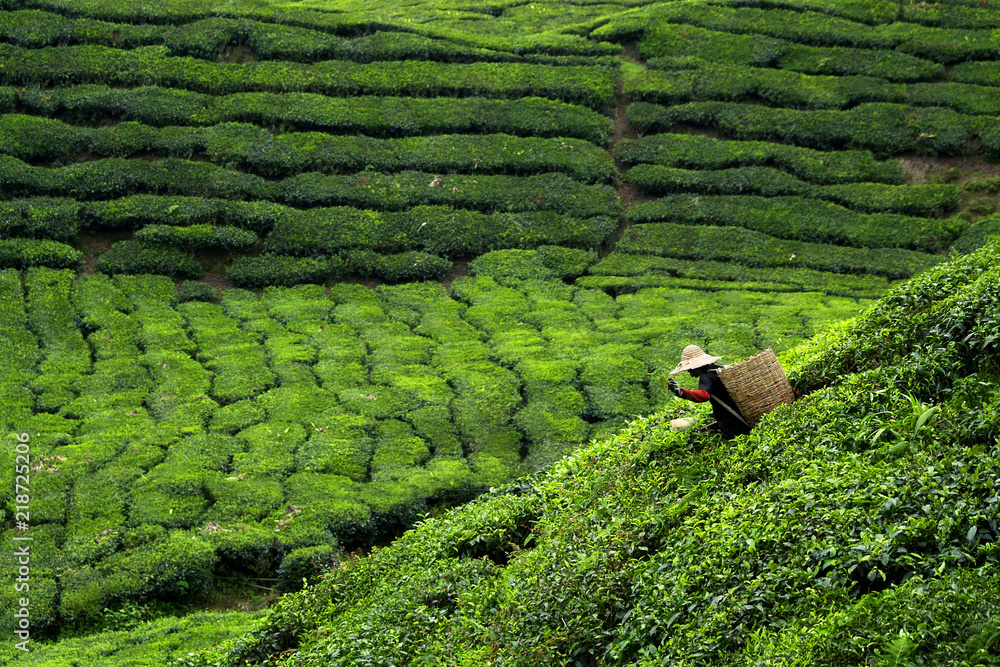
(693, 357)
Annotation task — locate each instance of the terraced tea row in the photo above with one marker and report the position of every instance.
(370, 115)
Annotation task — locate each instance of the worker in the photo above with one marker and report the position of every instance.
(697, 363)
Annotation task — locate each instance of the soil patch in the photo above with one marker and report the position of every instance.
(94, 245)
(920, 170)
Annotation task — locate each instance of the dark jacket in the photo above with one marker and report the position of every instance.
(710, 387)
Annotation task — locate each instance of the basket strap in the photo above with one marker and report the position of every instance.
(726, 406)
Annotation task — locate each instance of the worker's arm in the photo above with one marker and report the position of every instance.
(698, 395)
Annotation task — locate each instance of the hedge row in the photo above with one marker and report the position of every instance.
(918, 200)
(689, 79)
(885, 129)
(440, 230)
(197, 237)
(510, 267)
(209, 38)
(549, 44)
(804, 219)
(65, 353)
(621, 272)
(753, 50)
(173, 14)
(592, 86)
(134, 211)
(140, 256)
(977, 235)
(25, 253)
(977, 72)
(692, 151)
(35, 28)
(254, 149)
(19, 348)
(40, 217)
(953, 14)
(111, 178)
(541, 192)
(234, 355)
(752, 248)
(265, 270)
(374, 116)
(399, 267)
(943, 45)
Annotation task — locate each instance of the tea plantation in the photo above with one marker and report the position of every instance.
(281, 280)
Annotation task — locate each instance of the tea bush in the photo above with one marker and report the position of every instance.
(690, 151)
(20, 253)
(197, 237)
(592, 86)
(687, 79)
(921, 200)
(976, 235)
(40, 218)
(178, 566)
(370, 115)
(755, 249)
(804, 219)
(147, 257)
(235, 357)
(255, 149)
(621, 273)
(192, 290)
(442, 230)
(756, 50)
(65, 353)
(882, 128)
(258, 272)
(545, 192)
(546, 262)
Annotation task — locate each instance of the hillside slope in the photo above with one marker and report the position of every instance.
(857, 526)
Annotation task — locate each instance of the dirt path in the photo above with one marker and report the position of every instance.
(629, 194)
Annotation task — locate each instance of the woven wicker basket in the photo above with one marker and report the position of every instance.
(757, 385)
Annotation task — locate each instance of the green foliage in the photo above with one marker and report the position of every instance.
(882, 128)
(687, 79)
(40, 217)
(307, 563)
(369, 115)
(259, 272)
(198, 237)
(804, 219)
(921, 200)
(756, 50)
(690, 151)
(589, 85)
(254, 149)
(691, 567)
(400, 267)
(183, 436)
(976, 235)
(540, 192)
(65, 353)
(192, 290)
(441, 230)
(177, 567)
(544, 263)
(19, 253)
(144, 257)
(622, 273)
